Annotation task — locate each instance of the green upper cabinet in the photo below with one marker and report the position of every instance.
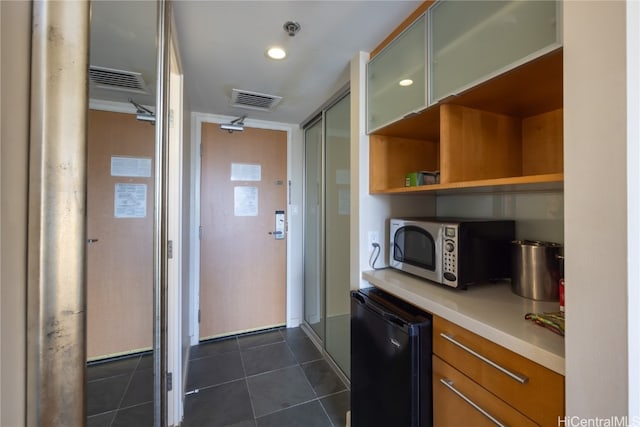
(396, 79)
(473, 41)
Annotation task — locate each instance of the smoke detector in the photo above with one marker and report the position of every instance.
(291, 28)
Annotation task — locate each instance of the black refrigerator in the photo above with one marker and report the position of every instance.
(390, 362)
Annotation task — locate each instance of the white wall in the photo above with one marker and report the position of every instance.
(633, 201)
(595, 146)
(295, 251)
(15, 25)
(370, 213)
(538, 215)
(187, 308)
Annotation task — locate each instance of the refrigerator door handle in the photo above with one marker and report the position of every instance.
(358, 297)
(376, 308)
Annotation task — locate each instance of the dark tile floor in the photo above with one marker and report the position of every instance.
(120, 393)
(274, 378)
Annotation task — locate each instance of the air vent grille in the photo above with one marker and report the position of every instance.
(254, 100)
(108, 78)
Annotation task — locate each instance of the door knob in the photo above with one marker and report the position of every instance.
(92, 240)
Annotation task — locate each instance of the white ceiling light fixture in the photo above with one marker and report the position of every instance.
(276, 53)
(405, 82)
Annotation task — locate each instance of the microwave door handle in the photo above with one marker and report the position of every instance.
(395, 245)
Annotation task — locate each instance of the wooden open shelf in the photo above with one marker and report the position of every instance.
(551, 181)
(504, 135)
(532, 88)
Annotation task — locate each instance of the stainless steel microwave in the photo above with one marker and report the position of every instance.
(451, 251)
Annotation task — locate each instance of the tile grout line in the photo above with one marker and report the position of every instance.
(272, 371)
(326, 413)
(124, 393)
(290, 407)
(304, 374)
(316, 393)
(245, 375)
(246, 381)
(299, 366)
(297, 362)
(195, 389)
(261, 345)
(329, 395)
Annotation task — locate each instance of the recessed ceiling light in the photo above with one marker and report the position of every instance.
(405, 82)
(276, 53)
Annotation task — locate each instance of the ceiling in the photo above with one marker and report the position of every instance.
(222, 47)
(123, 37)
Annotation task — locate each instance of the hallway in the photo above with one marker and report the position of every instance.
(273, 378)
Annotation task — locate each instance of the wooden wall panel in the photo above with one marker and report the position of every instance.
(542, 143)
(476, 145)
(392, 158)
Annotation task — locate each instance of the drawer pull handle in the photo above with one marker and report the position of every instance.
(517, 377)
(449, 385)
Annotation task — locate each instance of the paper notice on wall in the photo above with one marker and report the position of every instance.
(131, 166)
(130, 201)
(245, 172)
(245, 201)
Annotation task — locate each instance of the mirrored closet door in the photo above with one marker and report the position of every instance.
(327, 217)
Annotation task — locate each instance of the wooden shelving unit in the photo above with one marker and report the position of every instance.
(503, 135)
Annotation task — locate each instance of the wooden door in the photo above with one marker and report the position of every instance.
(242, 263)
(120, 234)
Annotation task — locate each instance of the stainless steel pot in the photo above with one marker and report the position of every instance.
(535, 270)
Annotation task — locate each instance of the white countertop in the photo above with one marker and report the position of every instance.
(490, 310)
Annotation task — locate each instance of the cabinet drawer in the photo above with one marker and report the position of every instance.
(458, 401)
(531, 388)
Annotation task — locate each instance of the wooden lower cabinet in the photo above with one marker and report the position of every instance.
(500, 380)
(459, 401)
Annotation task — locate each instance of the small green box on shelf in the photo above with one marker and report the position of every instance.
(413, 179)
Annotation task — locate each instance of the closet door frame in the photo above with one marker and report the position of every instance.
(320, 117)
(317, 121)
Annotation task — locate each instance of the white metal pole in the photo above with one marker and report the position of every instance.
(56, 354)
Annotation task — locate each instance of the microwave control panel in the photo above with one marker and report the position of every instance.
(449, 253)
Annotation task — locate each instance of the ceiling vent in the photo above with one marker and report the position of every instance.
(108, 78)
(254, 100)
